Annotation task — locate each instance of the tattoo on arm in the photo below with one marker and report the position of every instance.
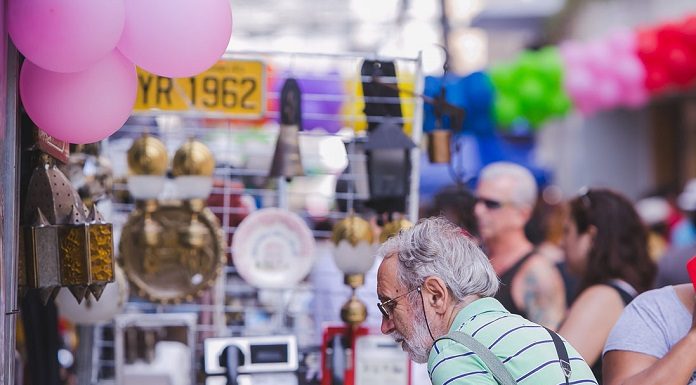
(541, 301)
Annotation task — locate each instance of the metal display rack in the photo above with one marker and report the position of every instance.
(232, 307)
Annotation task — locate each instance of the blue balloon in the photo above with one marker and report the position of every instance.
(480, 91)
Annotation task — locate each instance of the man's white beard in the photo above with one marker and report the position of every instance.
(419, 345)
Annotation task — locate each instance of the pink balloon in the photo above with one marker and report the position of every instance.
(65, 35)
(578, 82)
(176, 38)
(629, 70)
(608, 92)
(572, 53)
(623, 40)
(599, 55)
(80, 107)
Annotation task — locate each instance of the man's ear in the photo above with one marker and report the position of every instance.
(435, 294)
(526, 212)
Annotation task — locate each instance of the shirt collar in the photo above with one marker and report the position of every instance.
(481, 305)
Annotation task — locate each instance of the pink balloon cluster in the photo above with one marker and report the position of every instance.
(604, 74)
(78, 82)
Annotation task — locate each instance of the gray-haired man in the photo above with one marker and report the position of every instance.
(434, 280)
(531, 285)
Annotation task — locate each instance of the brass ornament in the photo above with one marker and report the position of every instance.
(354, 281)
(392, 228)
(193, 158)
(352, 229)
(147, 156)
(172, 251)
(353, 312)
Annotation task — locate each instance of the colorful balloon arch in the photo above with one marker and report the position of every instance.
(624, 69)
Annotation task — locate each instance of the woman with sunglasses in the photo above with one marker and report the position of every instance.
(606, 247)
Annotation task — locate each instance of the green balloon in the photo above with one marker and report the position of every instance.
(505, 109)
(503, 78)
(527, 63)
(550, 67)
(531, 92)
(536, 116)
(559, 104)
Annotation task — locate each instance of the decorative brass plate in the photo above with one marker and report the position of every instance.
(171, 251)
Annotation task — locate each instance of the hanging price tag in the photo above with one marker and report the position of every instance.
(233, 87)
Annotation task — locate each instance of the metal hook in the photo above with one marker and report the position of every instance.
(446, 63)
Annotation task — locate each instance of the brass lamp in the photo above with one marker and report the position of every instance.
(193, 168)
(354, 255)
(392, 228)
(171, 250)
(63, 244)
(147, 166)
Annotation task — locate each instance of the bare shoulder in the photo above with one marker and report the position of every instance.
(619, 365)
(598, 298)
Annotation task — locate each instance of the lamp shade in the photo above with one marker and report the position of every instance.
(193, 186)
(143, 187)
(356, 259)
(353, 251)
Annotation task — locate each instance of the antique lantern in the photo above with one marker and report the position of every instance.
(64, 243)
(354, 255)
(388, 152)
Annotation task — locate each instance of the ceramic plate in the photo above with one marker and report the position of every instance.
(273, 248)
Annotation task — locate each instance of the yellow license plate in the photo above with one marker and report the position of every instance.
(233, 87)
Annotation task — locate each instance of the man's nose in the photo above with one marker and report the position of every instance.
(387, 325)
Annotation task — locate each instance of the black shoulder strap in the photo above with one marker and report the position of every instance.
(562, 354)
(495, 366)
(625, 290)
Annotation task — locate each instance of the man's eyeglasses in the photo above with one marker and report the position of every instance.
(387, 306)
(490, 204)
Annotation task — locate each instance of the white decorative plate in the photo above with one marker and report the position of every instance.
(273, 249)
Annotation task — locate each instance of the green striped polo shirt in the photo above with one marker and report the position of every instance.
(525, 348)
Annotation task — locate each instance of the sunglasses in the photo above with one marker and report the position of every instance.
(387, 306)
(585, 199)
(491, 204)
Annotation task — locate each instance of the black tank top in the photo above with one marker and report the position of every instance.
(504, 294)
(627, 293)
